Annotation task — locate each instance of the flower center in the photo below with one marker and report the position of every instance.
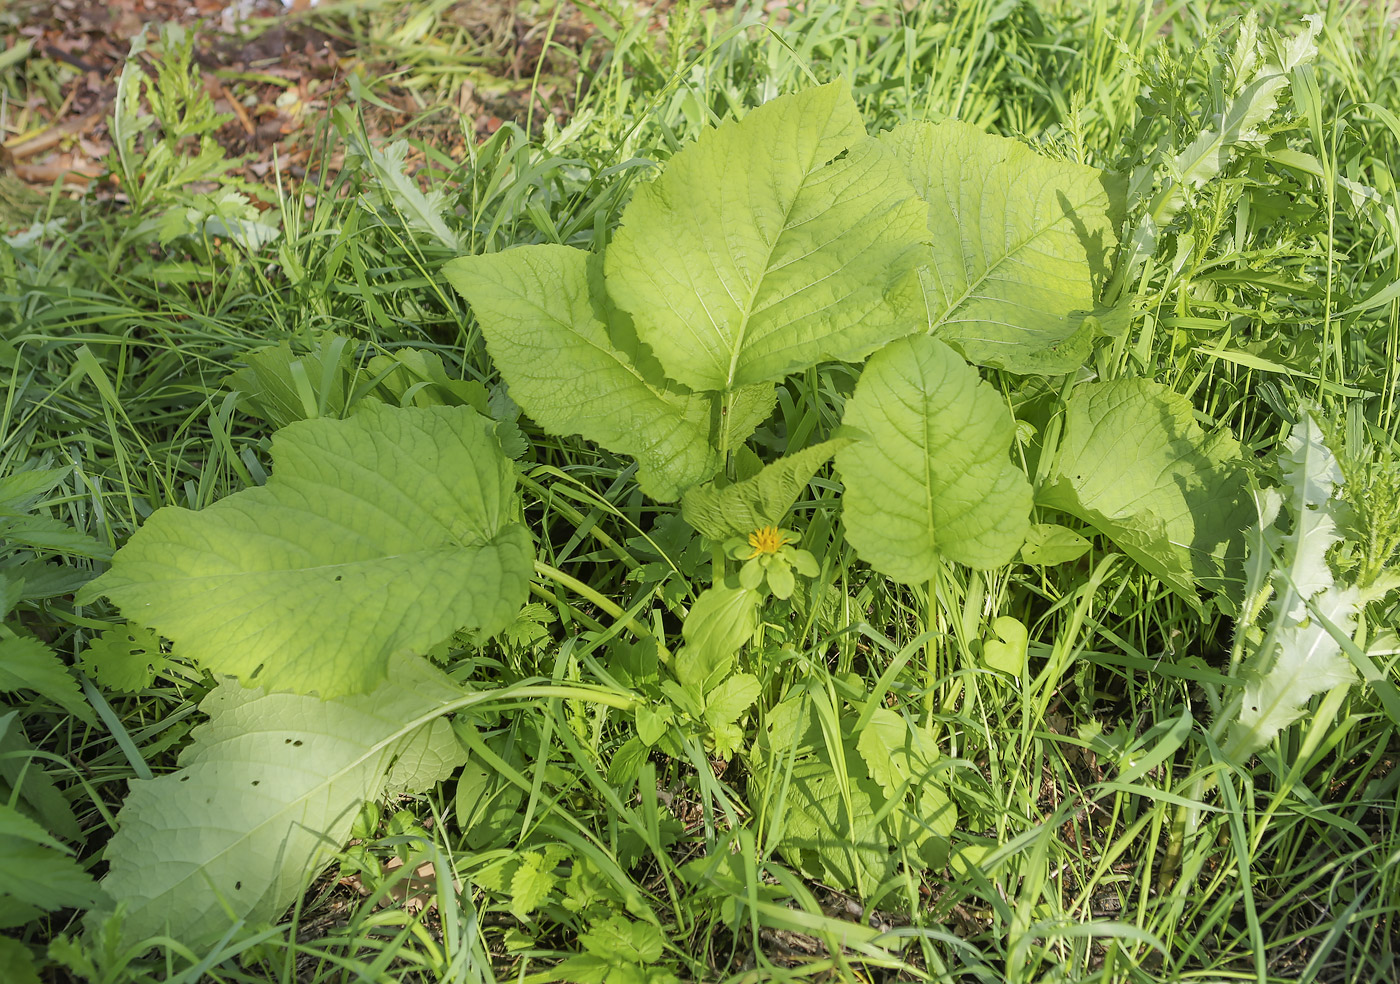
(767, 540)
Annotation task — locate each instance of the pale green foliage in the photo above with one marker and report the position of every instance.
(376, 535)
(16, 963)
(533, 882)
(828, 828)
(1006, 652)
(1298, 656)
(1260, 75)
(1048, 544)
(528, 877)
(281, 386)
(757, 253)
(762, 500)
(900, 757)
(399, 190)
(722, 619)
(566, 356)
(747, 407)
(265, 794)
(1021, 246)
(930, 472)
(1133, 463)
(618, 951)
(849, 797)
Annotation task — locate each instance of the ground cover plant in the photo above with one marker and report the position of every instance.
(878, 493)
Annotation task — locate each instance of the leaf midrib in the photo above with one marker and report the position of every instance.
(747, 310)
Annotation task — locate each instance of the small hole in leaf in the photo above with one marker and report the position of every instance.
(237, 885)
(256, 781)
(297, 743)
(340, 577)
(184, 778)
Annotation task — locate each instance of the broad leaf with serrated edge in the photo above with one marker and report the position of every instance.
(548, 332)
(37, 871)
(930, 473)
(266, 792)
(762, 500)
(379, 534)
(1021, 246)
(1133, 463)
(28, 664)
(762, 250)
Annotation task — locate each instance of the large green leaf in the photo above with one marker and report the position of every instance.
(1133, 463)
(266, 792)
(931, 472)
(379, 534)
(1021, 246)
(770, 245)
(554, 340)
(763, 500)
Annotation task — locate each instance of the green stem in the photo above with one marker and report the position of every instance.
(932, 687)
(540, 591)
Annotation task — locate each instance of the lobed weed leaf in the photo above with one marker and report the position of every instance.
(1300, 655)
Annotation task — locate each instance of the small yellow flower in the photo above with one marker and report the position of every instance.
(768, 540)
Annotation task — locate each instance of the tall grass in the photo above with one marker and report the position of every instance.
(1280, 293)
